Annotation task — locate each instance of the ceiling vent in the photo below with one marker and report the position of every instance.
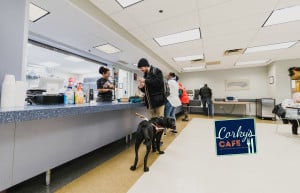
(213, 63)
(197, 60)
(233, 52)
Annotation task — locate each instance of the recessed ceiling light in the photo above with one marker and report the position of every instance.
(74, 59)
(180, 37)
(195, 68)
(49, 64)
(253, 62)
(108, 48)
(127, 3)
(188, 58)
(283, 16)
(271, 47)
(36, 13)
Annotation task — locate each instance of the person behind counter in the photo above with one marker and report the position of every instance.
(104, 86)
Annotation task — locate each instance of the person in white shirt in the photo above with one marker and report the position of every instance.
(173, 100)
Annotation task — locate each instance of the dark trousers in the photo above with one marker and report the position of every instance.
(185, 110)
(207, 111)
(294, 126)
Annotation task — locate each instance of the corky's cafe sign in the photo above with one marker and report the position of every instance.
(235, 136)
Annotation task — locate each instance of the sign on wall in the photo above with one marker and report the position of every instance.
(235, 136)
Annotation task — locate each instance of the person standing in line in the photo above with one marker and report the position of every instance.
(185, 100)
(152, 84)
(173, 100)
(206, 95)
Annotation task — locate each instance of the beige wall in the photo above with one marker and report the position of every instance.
(216, 80)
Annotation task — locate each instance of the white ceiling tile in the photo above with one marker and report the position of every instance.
(174, 25)
(186, 48)
(147, 12)
(123, 19)
(204, 4)
(289, 53)
(107, 6)
(260, 56)
(140, 34)
(229, 60)
(215, 47)
(230, 10)
(277, 34)
(238, 25)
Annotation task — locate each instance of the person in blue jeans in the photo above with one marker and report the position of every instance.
(206, 95)
(173, 100)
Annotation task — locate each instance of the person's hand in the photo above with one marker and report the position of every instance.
(141, 80)
(141, 85)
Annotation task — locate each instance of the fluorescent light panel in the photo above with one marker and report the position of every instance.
(180, 37)
(284, 15)
(271, 47)
(73, 59)
(252, 62)
(108, 48)
(127, 3)
(49, 64)
(195, 68)
(36, 13)
(188, 58)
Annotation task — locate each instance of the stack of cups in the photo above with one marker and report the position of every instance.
(8, 91)
(13, 92)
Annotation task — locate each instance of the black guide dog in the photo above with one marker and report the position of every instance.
(150, 132)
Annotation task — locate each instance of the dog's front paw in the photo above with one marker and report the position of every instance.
(161, 152)
(146, 169)
(132, 168)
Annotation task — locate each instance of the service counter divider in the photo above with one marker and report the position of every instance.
(35, 139)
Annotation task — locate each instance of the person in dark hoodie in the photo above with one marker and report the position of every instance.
(206, 98)
(152, 84)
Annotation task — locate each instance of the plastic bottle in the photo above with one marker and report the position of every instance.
(79, 95)
(69, 96)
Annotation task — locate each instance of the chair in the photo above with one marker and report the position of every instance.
(280, 113)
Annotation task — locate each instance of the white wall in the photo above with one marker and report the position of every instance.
(13, 37)
(282, 86)
(257, 76)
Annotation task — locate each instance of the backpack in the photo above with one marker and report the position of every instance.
(180, 92)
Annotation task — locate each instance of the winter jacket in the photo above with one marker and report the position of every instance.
(173, 98)
(205, 92)
(184, 97)
(154, 88)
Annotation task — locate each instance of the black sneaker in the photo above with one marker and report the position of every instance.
(174, 131)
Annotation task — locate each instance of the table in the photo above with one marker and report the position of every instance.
(234, 103)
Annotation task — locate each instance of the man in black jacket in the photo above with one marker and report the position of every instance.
(152, 84)
(206, 94)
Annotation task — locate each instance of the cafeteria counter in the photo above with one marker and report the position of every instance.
(35, 139)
